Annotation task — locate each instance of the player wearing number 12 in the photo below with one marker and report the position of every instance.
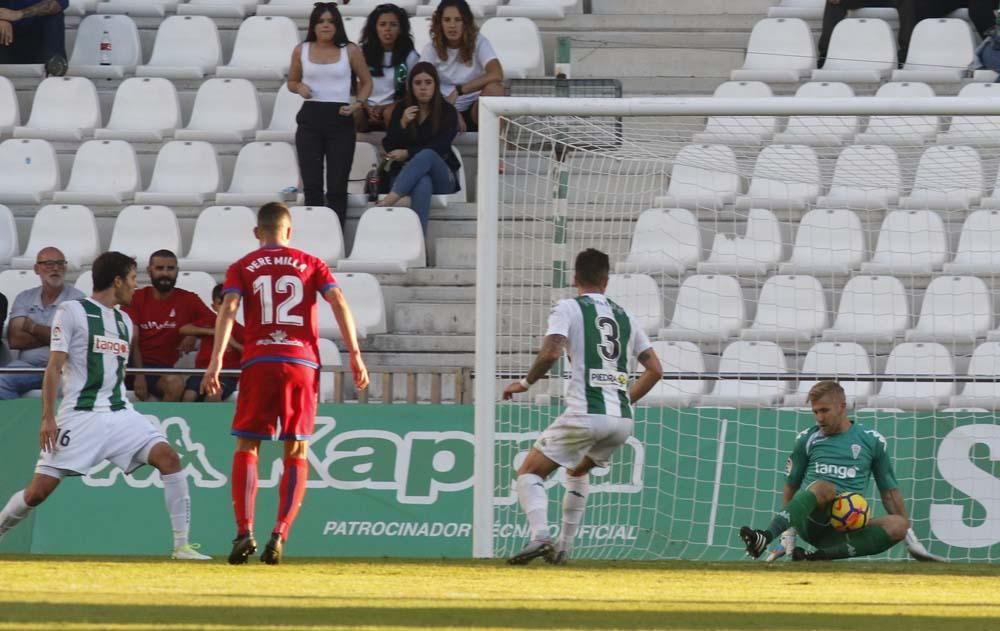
(280, 369)
(600, 339)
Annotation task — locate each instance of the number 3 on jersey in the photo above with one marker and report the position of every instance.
(610, 346)
(268, 288)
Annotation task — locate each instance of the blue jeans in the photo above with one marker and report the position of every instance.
(13, 386)
(36, 40)
(423, 175)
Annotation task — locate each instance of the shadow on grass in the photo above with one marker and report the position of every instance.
(173, 617)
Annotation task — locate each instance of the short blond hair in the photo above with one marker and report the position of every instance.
(825, 388)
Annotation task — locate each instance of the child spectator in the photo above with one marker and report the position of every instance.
(388, 48)
(230, 359)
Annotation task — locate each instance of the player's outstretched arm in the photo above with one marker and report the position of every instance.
(223, 329)
(345, 320)
(552, 349)
(50, 388)
(650, 376)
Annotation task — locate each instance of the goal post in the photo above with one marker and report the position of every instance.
(556, 175)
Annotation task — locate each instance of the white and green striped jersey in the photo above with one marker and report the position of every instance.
(96, 342)
(602, 339)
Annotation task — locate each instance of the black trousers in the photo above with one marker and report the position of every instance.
(324, 136)
(36, 40)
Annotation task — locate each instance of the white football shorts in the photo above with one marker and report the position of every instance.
(571, 437)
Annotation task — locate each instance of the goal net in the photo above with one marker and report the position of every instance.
(762, 244)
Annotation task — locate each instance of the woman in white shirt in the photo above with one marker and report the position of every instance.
(464, 59)
(388, 48)
(321, 72)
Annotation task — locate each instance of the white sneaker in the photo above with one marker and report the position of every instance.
(189, 552)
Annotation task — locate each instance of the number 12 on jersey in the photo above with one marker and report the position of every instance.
(268, 288)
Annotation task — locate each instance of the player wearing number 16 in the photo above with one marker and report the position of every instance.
(600, 339)
(278, 286)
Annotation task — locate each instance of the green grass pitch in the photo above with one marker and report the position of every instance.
(91, 594)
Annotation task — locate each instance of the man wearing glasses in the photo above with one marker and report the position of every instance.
(30, 319)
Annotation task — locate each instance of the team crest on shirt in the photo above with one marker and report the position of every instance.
(279, 338)
(121, 329)
(855, 450)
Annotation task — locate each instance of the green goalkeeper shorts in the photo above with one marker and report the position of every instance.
(815, 528)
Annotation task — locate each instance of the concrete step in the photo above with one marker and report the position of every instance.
(612, 61)
(679, 7)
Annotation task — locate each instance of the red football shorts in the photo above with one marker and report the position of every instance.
(277, 401)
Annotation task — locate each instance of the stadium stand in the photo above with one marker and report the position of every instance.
(861, 50)
(69, 227)
(387, 240)
(64, 108)
(187, 47)
(144, 110)
(666, 240)
(781, 50)
(186, 173)
(141, 230)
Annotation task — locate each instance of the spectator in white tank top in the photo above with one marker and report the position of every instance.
(323, 72)
(464, 59)
(388, 48)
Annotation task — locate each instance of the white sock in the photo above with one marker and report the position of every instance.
(574, 503)
(534, 501)
(175, 492)
(12, 514)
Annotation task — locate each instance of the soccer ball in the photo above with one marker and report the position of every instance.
(849, 512)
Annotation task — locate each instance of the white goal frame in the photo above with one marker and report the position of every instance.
(492, 109)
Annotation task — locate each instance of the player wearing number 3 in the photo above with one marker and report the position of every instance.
(600, 340)
(280, 368)
(90, 343)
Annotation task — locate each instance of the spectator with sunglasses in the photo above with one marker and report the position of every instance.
(388, 48)
(464, 59)
(323, 71)
(30, 321)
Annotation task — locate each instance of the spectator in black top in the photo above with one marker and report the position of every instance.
(33, 32)
(419, 138)
(388, 48)
(322, 71)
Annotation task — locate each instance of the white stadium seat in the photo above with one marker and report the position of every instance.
(941, 50)
(909, 242)
(781, 50)
(873, 309)
(85, 282)
(749, 358)
(10, 111)
(974, 130)
(739, 130)
(518, 45)
(843, 359)
(262, 171)
(222, 235)
(81, 7)
(186, 47)
(9, 243)
(985, 361)
(141, 230)
(535, 9)
(198, 282)
(861, 50)
(137, 8)
(820, 131)
(978, 245)
(703, 176)
(665, 241)
(70, 228)
(104, 172)
(282, 126)
(126, 50)
(709, 308)
(186, 173)
(805, 9)
(263, 48)
(956, 309)
(13, 282)
(790, 309)
(316, 230)
(829, 241)
(362, 8)
(364, 295)
(225, 110)
(365, 159)
(866, 177)
(218, 8)
(63, 109)
(916, 358)
(387, 240)
(639, 296)
(948, 177)
(420, 27)
(480, 8)
(785, 177)
(29, 171)
(145, 110)
(753, 253)
(900, 130)
(329, 355)
(682, 357)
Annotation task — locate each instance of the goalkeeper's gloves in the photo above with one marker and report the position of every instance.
(917, 549)
(786, 543)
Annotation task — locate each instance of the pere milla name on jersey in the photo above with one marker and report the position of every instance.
(261, 261)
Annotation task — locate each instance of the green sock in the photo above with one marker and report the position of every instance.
(864, 542)
(803, 503)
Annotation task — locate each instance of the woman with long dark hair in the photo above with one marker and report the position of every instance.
(465, 60)
(419, 138)
(321, 72)
(388, 48)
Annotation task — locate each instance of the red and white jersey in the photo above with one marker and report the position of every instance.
(279, 286)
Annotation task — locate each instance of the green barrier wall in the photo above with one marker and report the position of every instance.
(397, 481)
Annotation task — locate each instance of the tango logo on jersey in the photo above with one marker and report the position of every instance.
(837, 471)
(110, 346)
(280, 338)
(608, 379)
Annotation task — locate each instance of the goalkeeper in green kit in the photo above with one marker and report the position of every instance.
(835, 456)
